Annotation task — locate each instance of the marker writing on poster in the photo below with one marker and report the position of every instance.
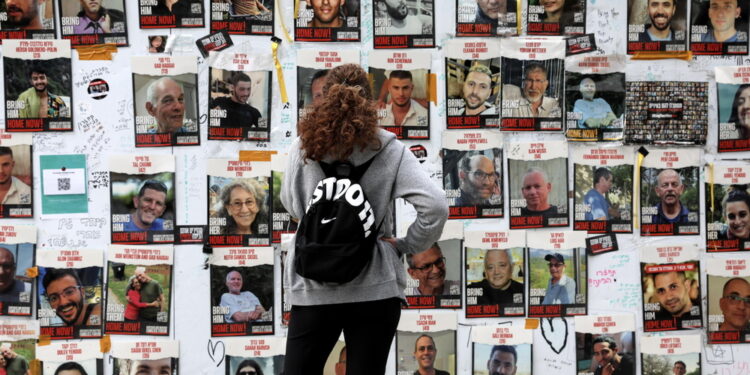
(603, 277)
(213, 352)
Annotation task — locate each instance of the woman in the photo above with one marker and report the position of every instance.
(736, 210)
(156, 43)
(133, 309)
(248, 367)
(343, 127)
(559, 11)
(741, 111)
(243, 207)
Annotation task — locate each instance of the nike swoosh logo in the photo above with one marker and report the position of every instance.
(326, 221)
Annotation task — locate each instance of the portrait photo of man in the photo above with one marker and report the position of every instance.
(403, 19)
(561, 289)
(66, 295)
(149, 204)
(678, 297)
(327, 13)
(479, 181)
(165, 102)
(735, 305)
(23, 15)
(476, 90)
(15, 363)
(94, 17)
(237, 105)
(498, 285)
(533, 100)
(502, 361)
(75, 368)
(12, 287)
(595, 112)
(242, 305)
(402, 109)
(37, 101)
(609, 360)
(491, 11)
(596, 197)
(660, 13)
(429, 269)
(425, 352)
(12, 189)
(724, 18)
(536, 188)
(670, 209)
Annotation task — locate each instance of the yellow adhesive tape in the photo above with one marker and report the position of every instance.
(252, 155)
(280, 14)
(35, 367)
(32, 272)
(44, 340)
(433, 88)
(279, 72)
(105, 344)
(658, 55)
(96, 52)
(532, 323)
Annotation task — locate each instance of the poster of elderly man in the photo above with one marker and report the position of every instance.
(165, 101)
(87, 22)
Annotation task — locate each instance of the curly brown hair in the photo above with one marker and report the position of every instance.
(346, 117)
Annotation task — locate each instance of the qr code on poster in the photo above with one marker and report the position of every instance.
(63, 184)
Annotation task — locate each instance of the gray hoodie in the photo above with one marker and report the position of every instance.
(394, 173)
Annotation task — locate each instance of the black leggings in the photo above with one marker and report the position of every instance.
(368, 328)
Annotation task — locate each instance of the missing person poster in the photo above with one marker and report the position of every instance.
(239, 98)
(256, 355)
(495, 269)
(532, 84)
(434, 280)
(426, 342)
(287, 243)
(93, 22)
(165, 101)
(727, 207)
(501, 350)
(70, 295)
(605, 344)
(239, 202)
(670, 280)
(38, 85)
(669, 192)
(487, 18)
(402, 24)
(155, 14)
(16, 165)
(282, 221)
(148, 357)
(142, 196)
(558, 274)
(17, 254)
(312, 67)
(18, 338)
(327, 21)
(733, 87)
(243, 17)
(728, 286)
(681, 354)
(594, 98)
(60, 358)
(473, 173)
(662, 112)
(242, 302)
(661, 27)
(139, 290)
(603, 189)
(472, 70)
(401, 81)
(538, 184)
(556, 17)
(26, 20)
(719, 27)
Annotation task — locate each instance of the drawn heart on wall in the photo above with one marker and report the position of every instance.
(555, 333)
(216, 352)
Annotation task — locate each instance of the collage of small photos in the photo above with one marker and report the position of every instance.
(595, 156)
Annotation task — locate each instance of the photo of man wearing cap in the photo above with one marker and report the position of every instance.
(561, 289)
